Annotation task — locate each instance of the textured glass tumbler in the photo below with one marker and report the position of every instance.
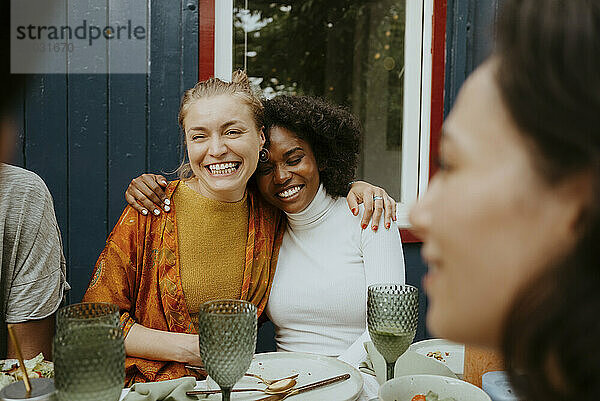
(89, 363)
(392, 317)
(227, 335)
(85, 314)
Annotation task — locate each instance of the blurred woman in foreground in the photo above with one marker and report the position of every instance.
(510, 223)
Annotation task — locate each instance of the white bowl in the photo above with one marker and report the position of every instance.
(453, 354)
(406, 387)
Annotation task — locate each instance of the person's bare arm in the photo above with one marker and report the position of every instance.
(158, 345)
(34, 336)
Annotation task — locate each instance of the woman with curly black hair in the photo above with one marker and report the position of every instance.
(334, 135)
(326, 261)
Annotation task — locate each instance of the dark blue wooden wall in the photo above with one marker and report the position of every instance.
(469, 40)
(88, 135)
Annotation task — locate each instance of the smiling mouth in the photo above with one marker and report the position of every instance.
(290, 192)
(223, 168)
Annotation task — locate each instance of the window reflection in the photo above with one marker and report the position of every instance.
(351, 52)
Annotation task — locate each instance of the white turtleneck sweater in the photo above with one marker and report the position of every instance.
(326, 262)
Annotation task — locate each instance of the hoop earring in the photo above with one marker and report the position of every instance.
(263, 155)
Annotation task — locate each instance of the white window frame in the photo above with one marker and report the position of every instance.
(414, 171)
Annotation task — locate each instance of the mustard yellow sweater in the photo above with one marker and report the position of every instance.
(212, 247)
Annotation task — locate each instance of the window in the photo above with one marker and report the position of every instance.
(374, 57)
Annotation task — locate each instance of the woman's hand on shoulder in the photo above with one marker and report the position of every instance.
(146, 193)
(376, 201)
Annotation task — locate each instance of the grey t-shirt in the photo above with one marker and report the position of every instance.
(33, 272)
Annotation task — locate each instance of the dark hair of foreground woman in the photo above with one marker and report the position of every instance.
(549, 77)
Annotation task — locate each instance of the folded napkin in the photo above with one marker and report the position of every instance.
(168, 390)
(374, 364)
(366, 366)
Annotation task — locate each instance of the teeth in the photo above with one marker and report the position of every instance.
(289, 192)
(223, 168)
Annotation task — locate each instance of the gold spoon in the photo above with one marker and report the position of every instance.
(280, 387)
(270, 382)
(266, 382)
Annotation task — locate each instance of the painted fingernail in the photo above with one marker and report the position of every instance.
(156, 212)
(394, 218)
(167, 208)
(167, 201)
(374, 228)
(354, 211)
(387, 225)
(364, 226)
(144, 212)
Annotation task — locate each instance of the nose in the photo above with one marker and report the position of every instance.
(217, 146)
(420, 217)
(281, 175)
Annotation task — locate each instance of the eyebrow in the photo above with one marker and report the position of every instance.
(223, 126)
(289, 152)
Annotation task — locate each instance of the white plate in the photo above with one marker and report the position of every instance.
(310, 367)
(406, 387)
(455, 358)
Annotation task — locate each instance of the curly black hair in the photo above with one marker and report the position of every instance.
(332, 132)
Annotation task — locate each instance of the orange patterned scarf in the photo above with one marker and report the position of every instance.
(138, 270)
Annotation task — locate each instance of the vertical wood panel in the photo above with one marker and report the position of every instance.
(88, 156)
(469, 40)
(164, 87)
(87, 176)
(190, 43)
(126, 138)
(126, 118)
(189, 50)
(46, 116)
(456, 49)
(17, 155)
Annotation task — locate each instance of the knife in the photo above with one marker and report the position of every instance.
(307, 387)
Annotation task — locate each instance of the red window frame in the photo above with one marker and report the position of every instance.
(438, 48)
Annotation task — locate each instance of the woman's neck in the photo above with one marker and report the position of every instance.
(210, 193)
(316, 209)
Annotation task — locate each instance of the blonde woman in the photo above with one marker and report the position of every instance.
(159, 269)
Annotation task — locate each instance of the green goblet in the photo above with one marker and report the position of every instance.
(87, 314)
(89, 363)
(392, 317)
(227, 335)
